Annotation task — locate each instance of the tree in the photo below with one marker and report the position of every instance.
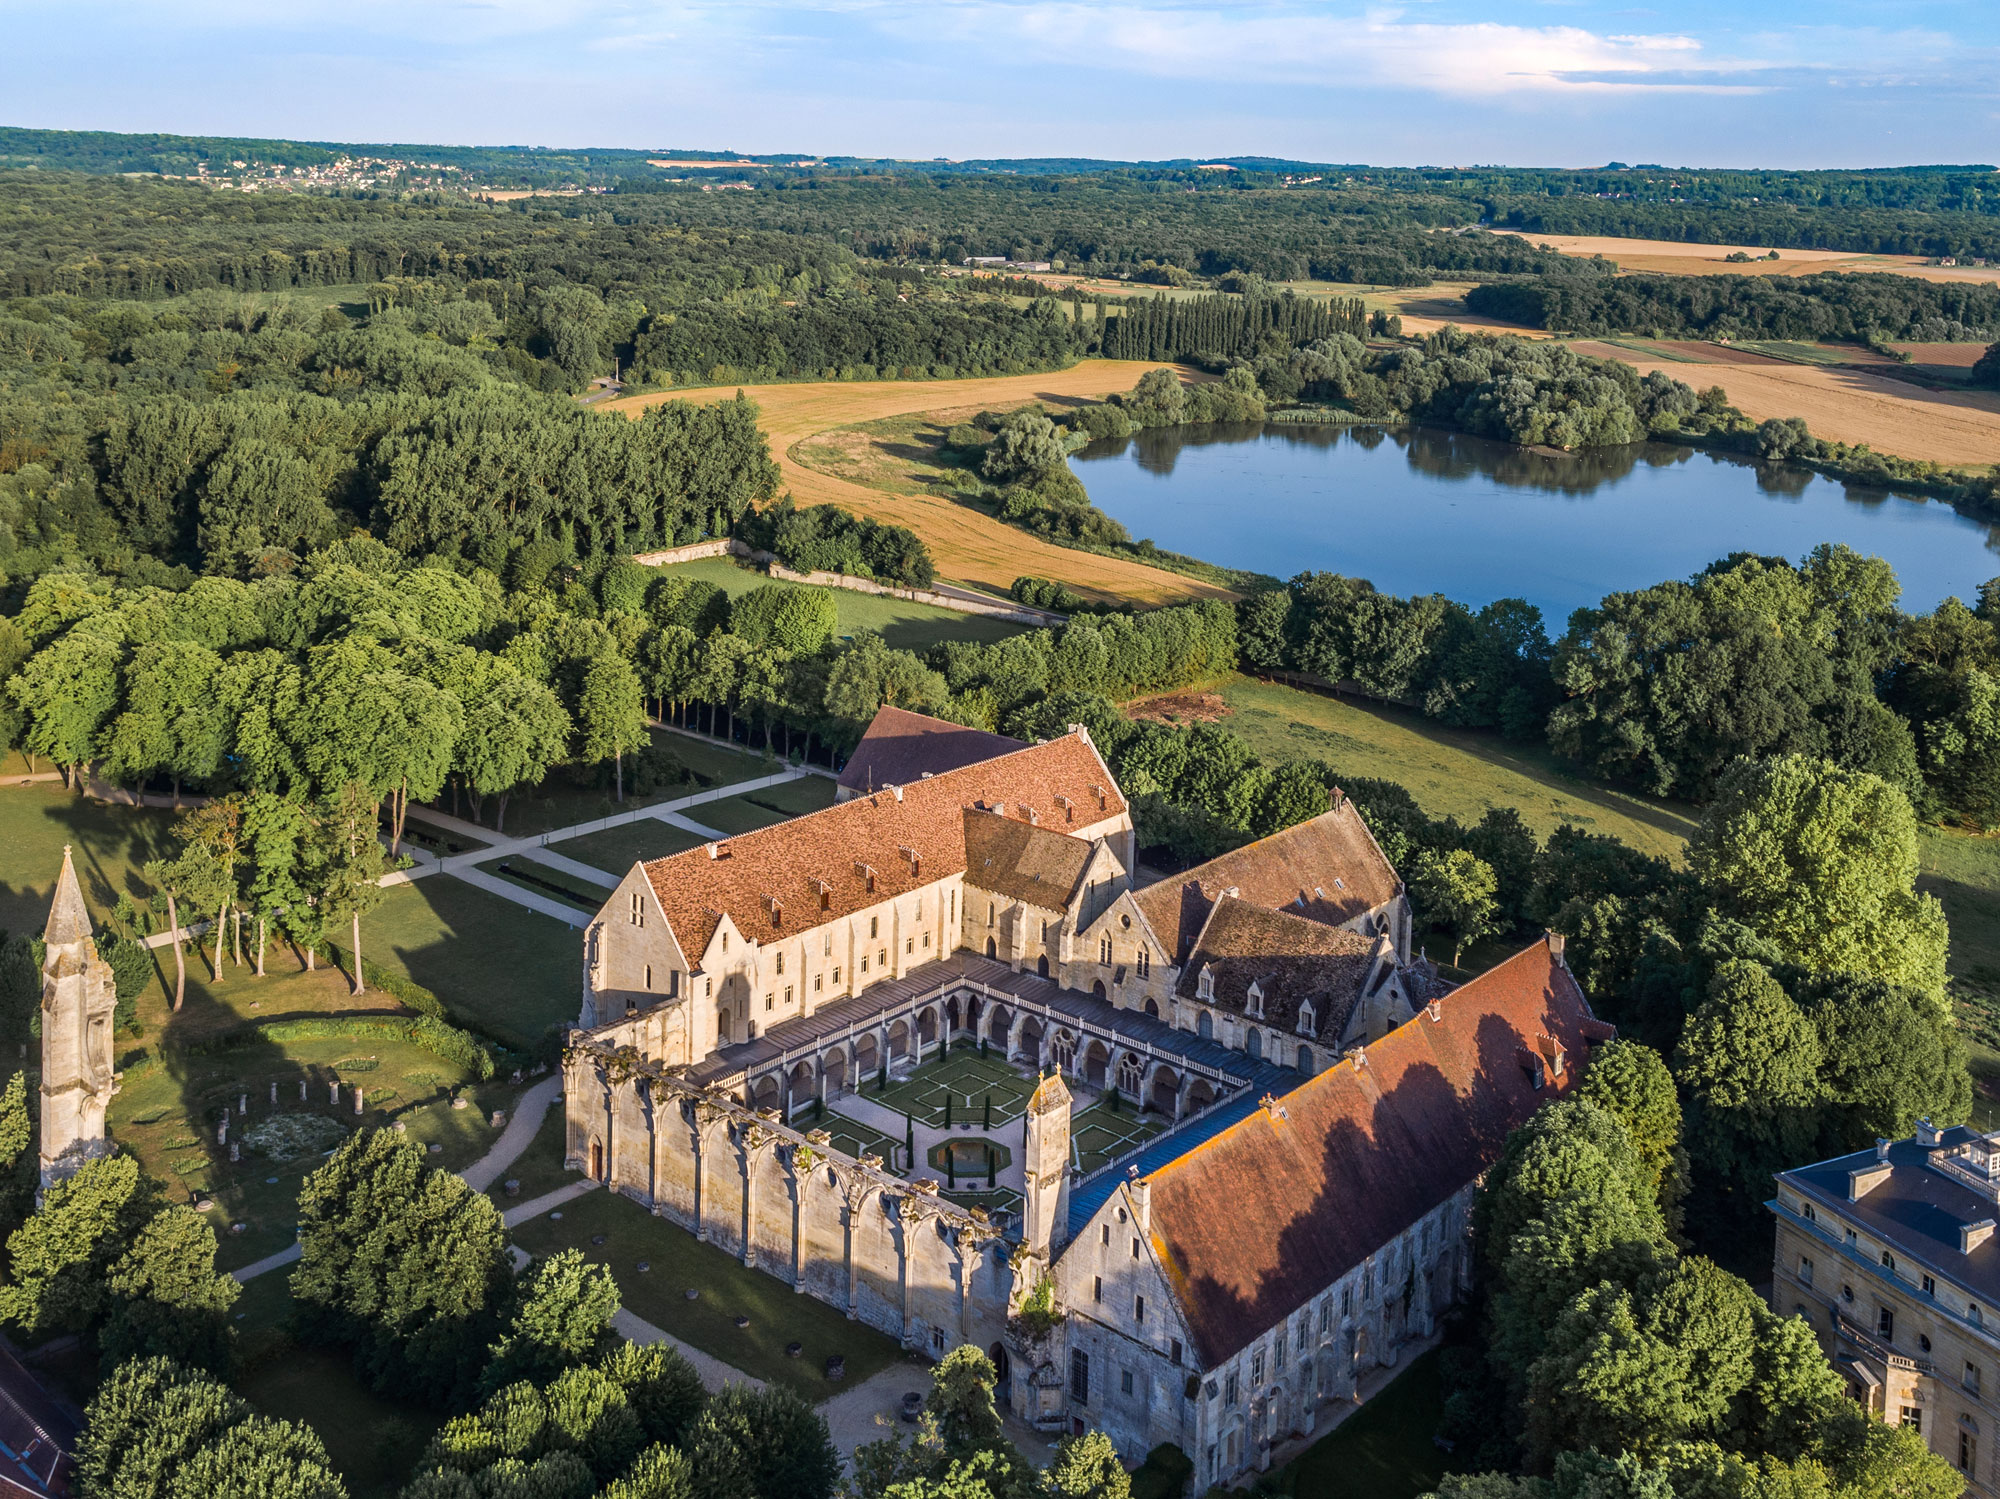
(68, 691)
(147, 1419)
(275, 831)
(1455, 890)
(869, 675)
(403, 1263)
(611, 713)
(1026, 447)
(1822, 862)
(515, 729)
(561, 1320)
(167, 1298)
(793, 619)
(1749, 1061)
(1087, 1467)
(61, 1258)
(216, 829)
(1632, 1084)
(344, 864)
(260, 1457)
(665, 1389)
(766, 1443)
(173, 719)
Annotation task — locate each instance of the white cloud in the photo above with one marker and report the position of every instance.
(1377, 49)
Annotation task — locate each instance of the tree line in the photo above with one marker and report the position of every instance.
(1830, 306)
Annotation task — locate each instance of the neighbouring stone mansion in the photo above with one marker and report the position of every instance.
(1188, 1160)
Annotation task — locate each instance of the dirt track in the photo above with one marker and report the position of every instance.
(969, 545)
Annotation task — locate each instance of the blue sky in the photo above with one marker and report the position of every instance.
(1553, 82)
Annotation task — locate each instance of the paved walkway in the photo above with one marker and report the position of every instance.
(713, 1371)
(548, 1202)
(523, 1123)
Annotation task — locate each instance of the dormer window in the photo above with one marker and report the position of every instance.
(1306, 1020)
(1204, 983)
(1253, 1000)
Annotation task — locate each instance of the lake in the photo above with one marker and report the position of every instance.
(1420, 510)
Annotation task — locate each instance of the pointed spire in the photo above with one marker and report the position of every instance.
(1050, 1094)
(69, 920)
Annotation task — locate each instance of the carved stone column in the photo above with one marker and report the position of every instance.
(911, 1212)
(753, 1143)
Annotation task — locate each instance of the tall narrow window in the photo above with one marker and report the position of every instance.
(874, 925)
(638, 909)
(781, 962)
(649, 975)
(1079, 1376)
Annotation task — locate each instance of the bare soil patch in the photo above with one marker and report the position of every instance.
(1180, 708)
(1942, 356)
(969, 545)
(1664, 257)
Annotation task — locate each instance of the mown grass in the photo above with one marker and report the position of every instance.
(570, 795)
(905, 625)
(1382, 1451)
(616, 850)
(1449, 771)
(109, 846)
(760, 809)
(680, 1263)
(507, 971)
(374, 1443)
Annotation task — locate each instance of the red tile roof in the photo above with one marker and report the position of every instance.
(901, 746)
(1010, 856)
(1255, 1222)
(818, 868)
(1326, 868)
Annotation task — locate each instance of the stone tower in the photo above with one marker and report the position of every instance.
(1045, 1169)
(78, 998)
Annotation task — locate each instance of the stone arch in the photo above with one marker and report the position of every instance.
(1304, 1061)
(1097, 988)
(1164, 1088)
(1094, 1062)
(867, 1057)
(899, 1039)
(1042, 965)
(1028, 1041)
(998, 1019)
(951, 1016)
(1130, 1074)
(1002, 1365)
(1062, 1047)
(764, 1093)
(803, 1083)
(927, 1025)
(1254, 1044)
(1152, 1007)
(1204, 1026)
(1200, 1095)
(992, 948)
(974, 1008)
(835, 1068)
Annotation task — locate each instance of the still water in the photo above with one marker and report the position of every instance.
(1419, 510)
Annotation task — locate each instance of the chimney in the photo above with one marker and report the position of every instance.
(1142, 1200)
(1864, 1179)
(1972, 1235)
(718, 850)
(1434, 1010)
(1556, 949)
(1927, 1133)
(1339, 796)
(1881, 1149)
(897, 792)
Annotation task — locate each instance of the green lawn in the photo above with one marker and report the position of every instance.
(907, 626)
(373, 1442)
(1449, 771)
(1383, 1450)
(616, 850)
(540, 1169)
(852, 1137)
(1963, 871)
(110, 844)
(760, 809)
(679, 1263)
(509, 971)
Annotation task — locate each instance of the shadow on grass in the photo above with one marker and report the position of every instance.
(1382, 1451)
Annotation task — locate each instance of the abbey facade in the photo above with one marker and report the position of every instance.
(759, 1013)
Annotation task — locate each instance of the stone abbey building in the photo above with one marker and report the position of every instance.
(1296, 1112)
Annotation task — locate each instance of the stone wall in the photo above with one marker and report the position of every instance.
(889, 1253)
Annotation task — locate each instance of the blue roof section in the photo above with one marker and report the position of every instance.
(1087, 1196)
